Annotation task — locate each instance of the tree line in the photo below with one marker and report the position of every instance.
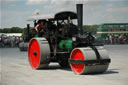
(11, 30)
(86, 28)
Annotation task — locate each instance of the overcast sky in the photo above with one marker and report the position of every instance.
(16, 12)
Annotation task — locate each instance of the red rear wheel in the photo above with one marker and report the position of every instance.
(39, 53)
(34, 54)
(77, 54)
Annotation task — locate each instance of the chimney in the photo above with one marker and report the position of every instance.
(80, 18)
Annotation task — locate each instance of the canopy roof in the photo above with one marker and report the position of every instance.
(58, 16)
(38, 17)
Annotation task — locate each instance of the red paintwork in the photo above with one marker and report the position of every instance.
(77, 68)
(34, 60)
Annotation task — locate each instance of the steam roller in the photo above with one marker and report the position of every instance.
(66, 43)
(82, 60)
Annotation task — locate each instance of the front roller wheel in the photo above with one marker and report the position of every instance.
(84, 60)
(39, 53)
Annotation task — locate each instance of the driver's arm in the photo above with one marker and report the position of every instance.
(36, 28)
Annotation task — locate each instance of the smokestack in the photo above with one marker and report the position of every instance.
(28, 31)
(80, 18)
(28, 28)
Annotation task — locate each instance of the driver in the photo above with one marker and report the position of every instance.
(40, 27)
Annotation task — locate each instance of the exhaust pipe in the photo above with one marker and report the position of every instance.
(28, 31)
(80, 18)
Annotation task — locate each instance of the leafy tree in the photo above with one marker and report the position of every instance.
(16, 30)
(6, 30)
(1, 30)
